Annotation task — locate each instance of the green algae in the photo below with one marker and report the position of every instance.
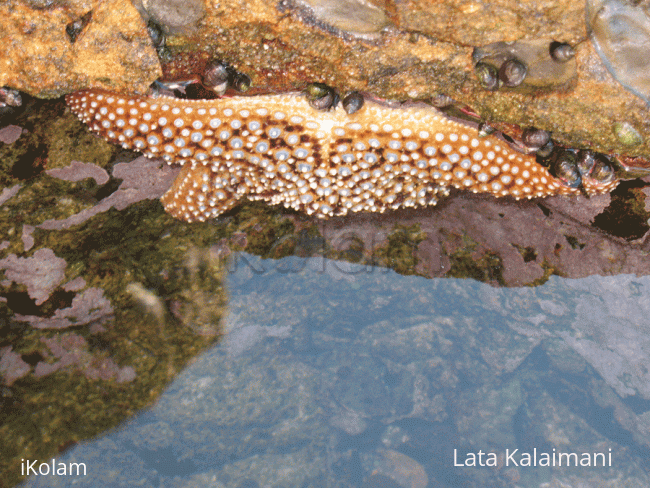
(484, 266)
(354, 251)
(400, 252)
(575, 243)
(140, 244)
(548, 271)
(50, 198)
(52, 137)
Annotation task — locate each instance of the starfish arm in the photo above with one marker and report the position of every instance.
(277, 148)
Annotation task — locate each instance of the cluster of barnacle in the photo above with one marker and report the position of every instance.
(323, 97)
(217, 78)
(569, 165)
(511, 71)
(572, 166)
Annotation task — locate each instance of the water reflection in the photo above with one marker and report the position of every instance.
(340, 375)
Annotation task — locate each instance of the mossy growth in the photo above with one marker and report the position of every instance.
(52, 137)
(400, 252)
(548, 271)
(486, 267)
(86, 146)
(351, 248)
(42, 199)
(575, 243)
(23, 160)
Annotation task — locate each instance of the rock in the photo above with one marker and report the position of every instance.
(10, 134)
(113, 50)
(346, 18)
(421, 51)
(174, 16)
(620, 32)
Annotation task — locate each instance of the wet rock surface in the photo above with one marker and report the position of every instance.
(110, 49)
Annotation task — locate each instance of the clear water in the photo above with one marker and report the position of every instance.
(336, 375)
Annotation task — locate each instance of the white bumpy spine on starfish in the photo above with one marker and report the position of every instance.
(279, 149)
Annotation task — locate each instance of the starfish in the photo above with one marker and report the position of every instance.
(279, 149)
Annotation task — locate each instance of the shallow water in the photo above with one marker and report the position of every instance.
(334, 374)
